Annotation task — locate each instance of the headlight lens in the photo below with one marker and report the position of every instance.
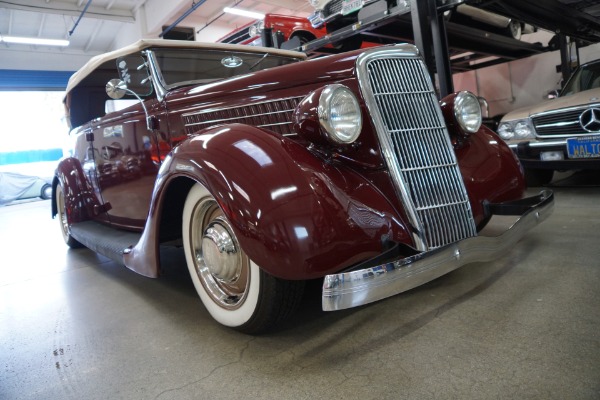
(523, 129)
(339, 114)
(257, 28)
(467, 111)
(516, 129)
(506, 131)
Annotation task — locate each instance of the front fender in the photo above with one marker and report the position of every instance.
(294, 214)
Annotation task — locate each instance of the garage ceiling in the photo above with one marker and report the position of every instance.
(105, 19)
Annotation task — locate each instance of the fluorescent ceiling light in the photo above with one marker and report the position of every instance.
(244, 13)
(34, 41)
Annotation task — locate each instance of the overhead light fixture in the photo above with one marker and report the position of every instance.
(244, 13)
(34, 41)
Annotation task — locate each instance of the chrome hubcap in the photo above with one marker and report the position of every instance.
(221, 265)
(220, 254)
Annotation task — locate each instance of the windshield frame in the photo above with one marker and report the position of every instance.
(251, 60)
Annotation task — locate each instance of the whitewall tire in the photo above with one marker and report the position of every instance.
(236, 292)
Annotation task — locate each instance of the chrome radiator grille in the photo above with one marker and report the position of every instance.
(417, 147)
(332, 8)
(275, 115)
(561, 123)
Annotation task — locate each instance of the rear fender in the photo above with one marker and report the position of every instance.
(79, 194)
(294, 214)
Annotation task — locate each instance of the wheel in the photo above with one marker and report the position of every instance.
(236, 292)
(538, 177)
(62, 219)
(513, 30)
(304, 37)
(46, 192)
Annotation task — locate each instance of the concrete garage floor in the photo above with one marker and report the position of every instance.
(74, 325)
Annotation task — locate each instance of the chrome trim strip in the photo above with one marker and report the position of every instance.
(277, 113)
(514, 146)
(355, 288)
(258, 103)
(214, 121)
(564, 110)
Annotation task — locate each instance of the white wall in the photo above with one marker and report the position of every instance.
(43, 59)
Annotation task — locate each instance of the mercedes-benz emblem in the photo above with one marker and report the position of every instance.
(590, 120)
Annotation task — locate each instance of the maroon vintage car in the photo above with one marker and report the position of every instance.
(271, 170)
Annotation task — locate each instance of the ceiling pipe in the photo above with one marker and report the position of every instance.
(182, 17)
(80, 16)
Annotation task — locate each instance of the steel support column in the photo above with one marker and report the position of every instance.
(429, 32)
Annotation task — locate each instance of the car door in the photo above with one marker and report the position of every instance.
(129, 151)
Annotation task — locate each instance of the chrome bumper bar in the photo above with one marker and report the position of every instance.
(363, 286)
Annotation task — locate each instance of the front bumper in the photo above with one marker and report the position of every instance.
(366, 285)
(529, 152)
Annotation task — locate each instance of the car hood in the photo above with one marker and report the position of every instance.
(577, 99)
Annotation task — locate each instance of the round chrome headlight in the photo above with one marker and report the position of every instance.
(339, 114)
(467, 111)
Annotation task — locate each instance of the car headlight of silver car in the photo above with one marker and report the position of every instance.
(516, 129)
(467, 111)
(339, 114)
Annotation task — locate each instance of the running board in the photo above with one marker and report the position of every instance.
(104, 240)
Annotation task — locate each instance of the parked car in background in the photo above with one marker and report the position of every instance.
(275, 29)
(278, 28)
(559, 134)
(14, 186)
(272, 170)
(340, 13)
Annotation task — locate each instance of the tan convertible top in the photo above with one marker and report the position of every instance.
(98, 60)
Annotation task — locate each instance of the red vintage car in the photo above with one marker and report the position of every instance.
(276, 29)
(279, 28)
(271, 170)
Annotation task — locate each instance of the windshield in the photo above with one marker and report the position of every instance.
(585, 78)
(185, 66)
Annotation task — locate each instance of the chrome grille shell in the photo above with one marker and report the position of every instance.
(562, 123)
(276, 115)
(416, 145)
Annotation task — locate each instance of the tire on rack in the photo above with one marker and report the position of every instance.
(304, 37)
(513, 30)
(65, 229)
(236, 292)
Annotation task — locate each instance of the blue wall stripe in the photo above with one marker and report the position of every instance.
(13, 79)
(21, 157)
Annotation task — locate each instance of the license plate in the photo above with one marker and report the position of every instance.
(584, 147)
(349, 6)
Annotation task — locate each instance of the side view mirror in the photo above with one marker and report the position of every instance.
(116, 89)
(553, 94)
